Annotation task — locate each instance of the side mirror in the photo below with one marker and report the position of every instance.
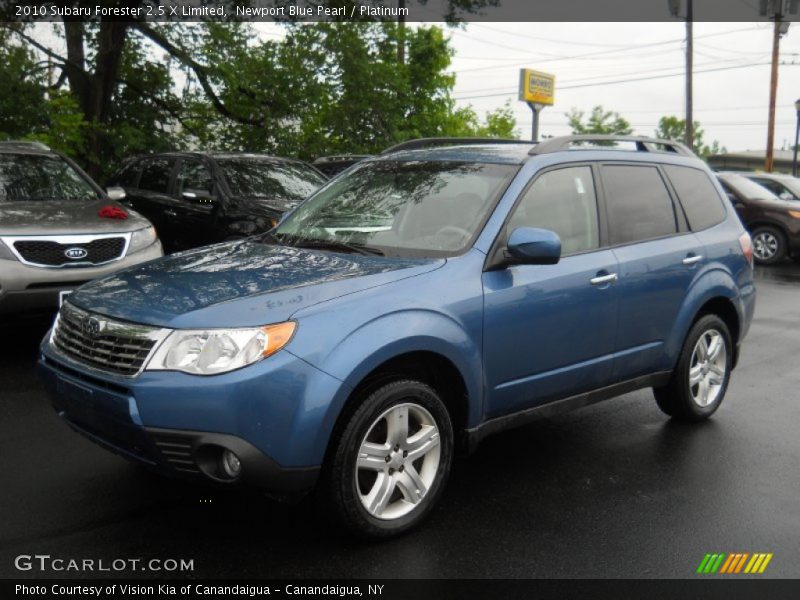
(532, 246)
(198, 196)
(115, 193)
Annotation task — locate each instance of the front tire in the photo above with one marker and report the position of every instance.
(701, 377)
(389, 466)
(769, 245)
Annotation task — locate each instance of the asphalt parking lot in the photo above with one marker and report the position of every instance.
(613, 490)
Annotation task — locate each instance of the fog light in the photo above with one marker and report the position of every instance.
(231, 464)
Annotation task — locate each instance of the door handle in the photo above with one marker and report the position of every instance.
(170, 213)
(601, 279)
(690, 260)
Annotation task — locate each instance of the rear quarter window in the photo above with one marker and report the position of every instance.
(698, 196)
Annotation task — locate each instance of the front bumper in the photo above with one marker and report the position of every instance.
(272, 415)
(25, 288)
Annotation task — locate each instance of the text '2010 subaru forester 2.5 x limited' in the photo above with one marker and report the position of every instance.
(427, 298)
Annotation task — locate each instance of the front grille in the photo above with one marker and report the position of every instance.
(104, 344)
(52, 253)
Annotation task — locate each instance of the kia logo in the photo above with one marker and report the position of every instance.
(91, 326)
(76, 253)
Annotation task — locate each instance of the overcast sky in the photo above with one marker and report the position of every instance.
(731, 104)
(594, 61)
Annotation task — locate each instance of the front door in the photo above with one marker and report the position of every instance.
(549, 330)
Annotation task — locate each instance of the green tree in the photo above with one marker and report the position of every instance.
(600, 121)
(92, 70)
(674, 128)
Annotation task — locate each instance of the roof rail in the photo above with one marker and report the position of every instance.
(25, 145)
(434, 142)
(642, 143)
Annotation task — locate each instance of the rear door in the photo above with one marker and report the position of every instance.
(549, 330)
(658, 259)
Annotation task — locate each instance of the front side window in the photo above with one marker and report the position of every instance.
(194, 175)
(403, 208)
(562, 201)
(638, 204)
(33, 177)
(155, 175)
(698, 196)
(260, 178)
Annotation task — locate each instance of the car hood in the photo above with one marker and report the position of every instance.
(238, 284)
(64, 217)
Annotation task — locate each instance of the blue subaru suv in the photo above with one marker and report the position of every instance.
(426, 298)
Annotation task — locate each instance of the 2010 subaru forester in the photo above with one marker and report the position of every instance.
(426, 298)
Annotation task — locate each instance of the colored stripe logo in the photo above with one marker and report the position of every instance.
(734, 563)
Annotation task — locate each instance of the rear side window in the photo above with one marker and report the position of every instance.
(562, 201)
(194, 175)
(155, 176)
(699, 197)
(638, 204)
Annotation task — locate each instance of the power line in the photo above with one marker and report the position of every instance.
(600, 52)
(631, 80)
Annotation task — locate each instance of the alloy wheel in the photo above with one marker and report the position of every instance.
(765, 245)
(708, 368)
(398, 461)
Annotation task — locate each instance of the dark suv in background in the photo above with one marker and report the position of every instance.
(773, 222)
(195, 199)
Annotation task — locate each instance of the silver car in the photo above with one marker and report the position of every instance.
(57, 229)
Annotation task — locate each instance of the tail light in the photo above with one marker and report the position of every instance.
(747, 247)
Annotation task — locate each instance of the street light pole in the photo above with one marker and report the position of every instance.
(796, 137)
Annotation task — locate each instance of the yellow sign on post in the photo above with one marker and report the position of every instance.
(536, 87)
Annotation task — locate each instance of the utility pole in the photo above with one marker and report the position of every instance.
(773, 93)
(775, 10)
(675, 11)
(401, 32)
(689, 134)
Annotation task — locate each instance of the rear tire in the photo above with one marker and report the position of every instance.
(389, 466)
(769, 245)
(701, 377)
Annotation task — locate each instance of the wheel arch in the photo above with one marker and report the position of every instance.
(713, 293)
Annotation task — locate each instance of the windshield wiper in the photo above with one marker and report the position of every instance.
(301, 242)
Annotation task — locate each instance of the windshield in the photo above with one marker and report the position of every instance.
(411, 209)
(34, 177)
(260, 178)
(750, 189)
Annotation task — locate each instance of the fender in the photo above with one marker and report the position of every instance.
(714, 281)
(377, 341)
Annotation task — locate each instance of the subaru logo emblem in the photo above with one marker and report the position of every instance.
(91, 326)
(76, 253)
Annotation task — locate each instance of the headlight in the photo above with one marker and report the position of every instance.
(5, 252)
(213, 351)
(142, 238)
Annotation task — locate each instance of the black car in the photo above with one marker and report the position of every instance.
(333, 165)
(195, 199)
